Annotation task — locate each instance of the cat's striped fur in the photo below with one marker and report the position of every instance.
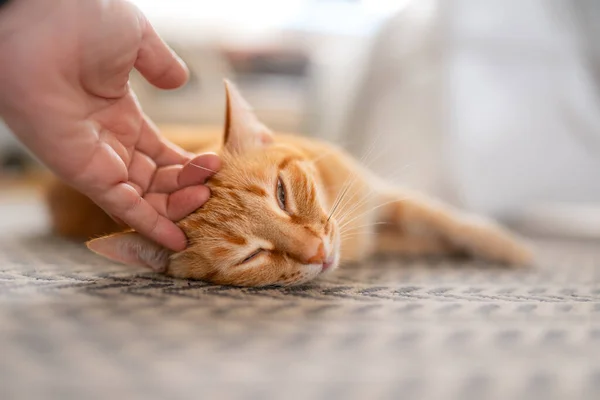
(333, 211)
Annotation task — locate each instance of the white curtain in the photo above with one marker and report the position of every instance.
(492, 104)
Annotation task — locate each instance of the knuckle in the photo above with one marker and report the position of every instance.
(131, 207)
(154, 225)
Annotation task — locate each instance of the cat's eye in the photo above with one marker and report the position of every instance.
(281, 195)
(252, 256)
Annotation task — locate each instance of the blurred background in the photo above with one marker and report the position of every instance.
(491, 105)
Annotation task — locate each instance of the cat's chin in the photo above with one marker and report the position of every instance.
(331, 265)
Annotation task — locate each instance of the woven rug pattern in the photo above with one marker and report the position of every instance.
(73, 326)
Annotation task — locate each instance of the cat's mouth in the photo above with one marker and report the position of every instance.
(328, 263)
(333, 259)
(331, 262)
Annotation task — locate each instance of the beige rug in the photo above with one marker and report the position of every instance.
(73, 326)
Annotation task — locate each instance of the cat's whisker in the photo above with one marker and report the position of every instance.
(347, 214)
(346, 234)
(395, 173)
(339, 185)
(344, 214)
(203, 168)
(362, 160)
(345, 201)
(347, 211)
(366, 198)
(372, 209)
(343, 206)
(368, 164)
(356, 234)
(350, 180)
(337, 198)
(337, 202)
(367, 225)
(366, 160)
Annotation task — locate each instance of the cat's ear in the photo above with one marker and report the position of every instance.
(243, 130)
(131, 248)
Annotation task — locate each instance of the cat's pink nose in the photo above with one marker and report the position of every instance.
(318, 257)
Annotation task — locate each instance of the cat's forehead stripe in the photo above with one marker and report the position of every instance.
(255, 189)
(234, 239)
(221, 252)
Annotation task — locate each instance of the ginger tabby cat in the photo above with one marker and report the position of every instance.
(285, 210)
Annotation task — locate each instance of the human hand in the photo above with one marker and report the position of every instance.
(64, 91)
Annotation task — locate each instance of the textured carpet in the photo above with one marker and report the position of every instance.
(73, 326)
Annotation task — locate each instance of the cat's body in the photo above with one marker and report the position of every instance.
(285, 209)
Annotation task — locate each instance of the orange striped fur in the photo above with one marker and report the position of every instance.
(334, 212)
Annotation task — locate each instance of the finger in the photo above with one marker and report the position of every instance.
(118, 220)
(123, 202)
(158, 63)
(196, 172)
(161, 150)
(181, 203)
(166, 179)
(199, 169)
(141, 171)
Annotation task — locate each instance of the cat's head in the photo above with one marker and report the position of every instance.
(266, 222)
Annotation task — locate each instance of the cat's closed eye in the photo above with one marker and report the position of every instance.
(253, 255)
(281, 198)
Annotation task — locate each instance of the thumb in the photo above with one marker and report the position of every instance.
(158, 63)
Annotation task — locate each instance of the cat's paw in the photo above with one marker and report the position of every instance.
(485, 239)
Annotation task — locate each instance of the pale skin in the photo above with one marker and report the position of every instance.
(64, 92)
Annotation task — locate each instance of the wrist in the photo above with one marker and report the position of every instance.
(16, 15)
(18, 21)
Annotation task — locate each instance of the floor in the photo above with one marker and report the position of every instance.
(74, 326)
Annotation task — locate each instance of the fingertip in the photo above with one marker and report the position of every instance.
(203, 194)
(197, 195)
(187, 200)
(177, 76)
(199, 169)
(184, 68)
(146, 216)
(210, 160)
(158, 63)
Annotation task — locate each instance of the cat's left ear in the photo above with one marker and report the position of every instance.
(243, 130)
(131, 248)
